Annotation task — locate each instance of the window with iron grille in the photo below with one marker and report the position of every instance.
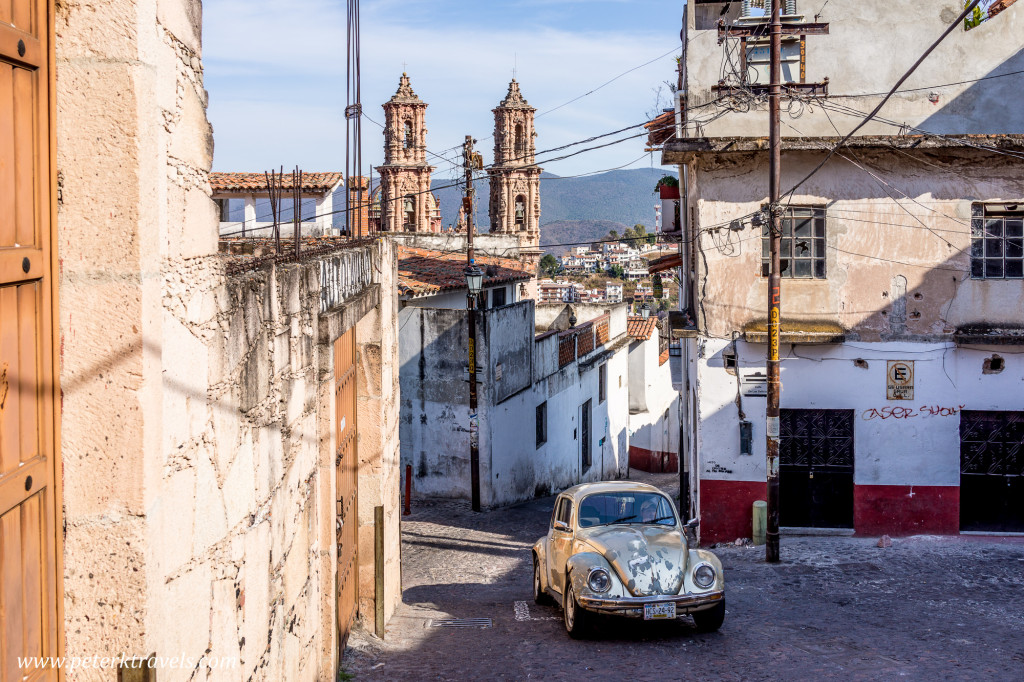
(602, 383)
(802, 250)
(997, 242)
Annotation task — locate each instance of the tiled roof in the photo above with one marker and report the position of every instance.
(663, 358)
(639, 328)
(672, 260)
(314, 183)
(423, 272)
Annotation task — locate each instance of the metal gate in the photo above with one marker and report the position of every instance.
(346, 473)
(992, 471)
(816, 468)
(29, 622)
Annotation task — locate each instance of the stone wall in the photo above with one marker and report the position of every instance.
(198, 409)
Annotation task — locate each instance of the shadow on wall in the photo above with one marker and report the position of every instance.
(984, 108)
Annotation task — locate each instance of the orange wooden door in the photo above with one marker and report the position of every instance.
(28, 494)
(346, 473)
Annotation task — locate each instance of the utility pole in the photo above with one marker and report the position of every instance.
(774, 281)
(471, 271)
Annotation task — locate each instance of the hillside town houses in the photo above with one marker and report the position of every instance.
(218, 392)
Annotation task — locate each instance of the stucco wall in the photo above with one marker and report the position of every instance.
(901, 215)
(434, 430)
(862, 61)
(653, 408)
(923, 449)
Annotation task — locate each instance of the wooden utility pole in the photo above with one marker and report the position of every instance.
(474, 422)
(774, 280)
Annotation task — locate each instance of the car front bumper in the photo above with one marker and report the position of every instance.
(633, 607)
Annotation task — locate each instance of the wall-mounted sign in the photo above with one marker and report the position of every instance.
(754, 385)
(657, 287)
(899, 380)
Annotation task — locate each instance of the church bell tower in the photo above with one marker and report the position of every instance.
(407, 204)
(515, 176)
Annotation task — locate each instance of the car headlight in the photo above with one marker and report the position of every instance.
(599, 581)
(704, 575)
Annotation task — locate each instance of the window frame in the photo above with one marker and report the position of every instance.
(540, 421)
(817, 261)
(989, 249)
(494, 297)
(602, 382)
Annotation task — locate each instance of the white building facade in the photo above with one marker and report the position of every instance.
(902, 285)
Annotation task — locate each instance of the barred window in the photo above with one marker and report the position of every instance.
(997, 242)
(542, 423)
(802, 251)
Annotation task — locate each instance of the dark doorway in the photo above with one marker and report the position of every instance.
(992, 471)
(816, 468)
(585, 436)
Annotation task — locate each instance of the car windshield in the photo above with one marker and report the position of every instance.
(602, 509)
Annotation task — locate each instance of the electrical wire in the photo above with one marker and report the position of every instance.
(949, 29)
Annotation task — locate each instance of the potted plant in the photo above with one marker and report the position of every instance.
(667, 187)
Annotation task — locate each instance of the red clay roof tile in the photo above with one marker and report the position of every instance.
(423, 272)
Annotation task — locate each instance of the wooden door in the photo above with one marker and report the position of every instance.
(346, 472)
(29, 615)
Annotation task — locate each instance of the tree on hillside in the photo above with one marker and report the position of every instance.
(548, 265)
(616, 272)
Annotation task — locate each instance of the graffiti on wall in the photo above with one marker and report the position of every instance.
(891, 412)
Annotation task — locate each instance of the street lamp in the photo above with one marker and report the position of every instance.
(474, 279)
(645, 311)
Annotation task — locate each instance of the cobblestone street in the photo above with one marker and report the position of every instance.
(835, 607)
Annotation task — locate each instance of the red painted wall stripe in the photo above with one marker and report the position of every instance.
(652, 461)
(906, 510)
(726, 509)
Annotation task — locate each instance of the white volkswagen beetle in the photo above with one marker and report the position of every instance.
(618, 548)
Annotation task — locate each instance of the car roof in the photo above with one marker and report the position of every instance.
(577, 492)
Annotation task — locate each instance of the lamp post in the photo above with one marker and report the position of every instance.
(474, 283)
(645, 311)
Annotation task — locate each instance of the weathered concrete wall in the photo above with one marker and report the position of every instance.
(197, 435)
(911, 220)
(862, 61)
(434, 430)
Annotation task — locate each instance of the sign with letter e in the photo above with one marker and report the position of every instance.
(899, 380)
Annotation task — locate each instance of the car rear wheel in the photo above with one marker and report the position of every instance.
(711, 619)
(540, 597)
(576, 618)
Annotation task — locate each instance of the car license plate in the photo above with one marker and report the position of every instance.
(659, 611)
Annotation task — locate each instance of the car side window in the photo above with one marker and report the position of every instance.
(565, 510)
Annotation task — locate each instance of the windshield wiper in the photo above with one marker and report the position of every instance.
(661, 518)
(624, 519)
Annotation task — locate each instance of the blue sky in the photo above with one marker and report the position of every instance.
(275, 73)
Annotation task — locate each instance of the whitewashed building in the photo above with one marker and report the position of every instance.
(653, 401)
(552, 407)
(903, 271)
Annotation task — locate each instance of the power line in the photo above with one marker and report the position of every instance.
(903, 78)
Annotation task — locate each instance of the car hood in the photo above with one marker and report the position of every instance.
(649, 560)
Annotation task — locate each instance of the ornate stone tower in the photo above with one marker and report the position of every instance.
(405, 175)
(515, 176)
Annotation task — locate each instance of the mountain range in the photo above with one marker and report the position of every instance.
(572, 209)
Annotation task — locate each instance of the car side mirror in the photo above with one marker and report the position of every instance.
(562, 526)
(692, 523)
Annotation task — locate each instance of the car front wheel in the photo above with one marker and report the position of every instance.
(576, 618)
(711, 619)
